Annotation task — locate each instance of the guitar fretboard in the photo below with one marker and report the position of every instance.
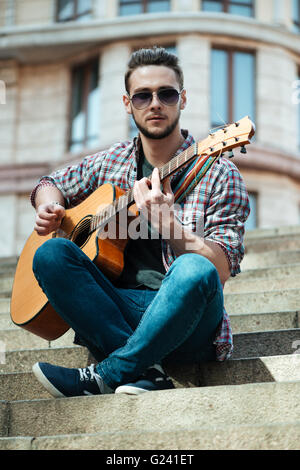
(127, 199)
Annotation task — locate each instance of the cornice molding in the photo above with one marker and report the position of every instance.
(21, 178)
(270, 161)
(15, 41)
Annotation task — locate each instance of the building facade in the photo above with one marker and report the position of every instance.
(62, 65)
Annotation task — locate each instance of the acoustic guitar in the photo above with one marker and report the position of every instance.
(85, 225)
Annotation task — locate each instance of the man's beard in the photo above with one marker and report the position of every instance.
(156, 136)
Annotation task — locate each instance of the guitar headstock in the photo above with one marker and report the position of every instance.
(231, 136)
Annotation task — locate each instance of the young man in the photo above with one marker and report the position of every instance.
(168, 301)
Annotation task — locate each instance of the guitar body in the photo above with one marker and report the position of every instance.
(30, 308)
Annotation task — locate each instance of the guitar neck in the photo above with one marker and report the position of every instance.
(127, 198)
(166, 170)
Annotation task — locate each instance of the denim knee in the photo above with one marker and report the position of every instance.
(195, 269)
(49, 254)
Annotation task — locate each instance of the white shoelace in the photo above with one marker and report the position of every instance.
(104, 389)
(83, 373)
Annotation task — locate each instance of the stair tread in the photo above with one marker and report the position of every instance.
(269, 436)
(167, 409)
(23, 385)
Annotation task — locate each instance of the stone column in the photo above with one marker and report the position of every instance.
(8, 110)
(185, 5)
(276, 114)
(43, 113)
(8, 222)
(194, 55)
(104, 9)
(264, 11)
(114, 119)
(283, 13)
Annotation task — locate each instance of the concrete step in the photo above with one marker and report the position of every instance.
(5, 294)
(9, 262)
(272, 232)
(282, 243)
(6, 282)
(4, 305)
(261, 302)
(271, 436)
(18, 338)
(255, 322)
(24, 386)
(180, 409)
(270, 258)
(246, 345)
(22, 360)
(260, 285)
(6, 322)
(268, 239)
(266, 343)
(275, 272)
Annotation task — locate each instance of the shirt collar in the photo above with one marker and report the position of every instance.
(136, 150)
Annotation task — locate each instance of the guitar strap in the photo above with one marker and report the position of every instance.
(191, 178)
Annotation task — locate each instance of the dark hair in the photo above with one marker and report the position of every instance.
(153, 56)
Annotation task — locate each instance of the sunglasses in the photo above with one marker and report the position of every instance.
(167, 96)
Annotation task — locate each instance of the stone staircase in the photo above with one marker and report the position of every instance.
(249, 402)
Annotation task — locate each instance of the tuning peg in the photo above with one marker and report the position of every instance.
(243, 150)
(230, 154)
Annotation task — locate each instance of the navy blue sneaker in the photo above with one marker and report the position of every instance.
(153, 379)
(64, 382)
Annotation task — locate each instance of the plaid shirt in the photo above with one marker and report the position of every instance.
(219, 203)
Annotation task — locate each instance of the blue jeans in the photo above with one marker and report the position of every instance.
(133, 329)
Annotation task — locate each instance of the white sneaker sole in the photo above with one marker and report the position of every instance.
(130, 390)
(45, 382)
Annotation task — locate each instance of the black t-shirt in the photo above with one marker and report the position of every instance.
(143, 265)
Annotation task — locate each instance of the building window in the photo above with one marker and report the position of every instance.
(251, 222)
(73, 10)
(235, 7)
(85, 113)
(232, 86)
(135, 7)
(296, 15)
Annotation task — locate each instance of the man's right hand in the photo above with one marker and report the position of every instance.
(48, 218)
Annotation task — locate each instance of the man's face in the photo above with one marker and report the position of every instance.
(157, 120)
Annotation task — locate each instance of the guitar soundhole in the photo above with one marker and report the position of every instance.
(81, 232)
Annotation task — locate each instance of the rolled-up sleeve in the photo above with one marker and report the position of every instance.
(76, 182)
(226, 213)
